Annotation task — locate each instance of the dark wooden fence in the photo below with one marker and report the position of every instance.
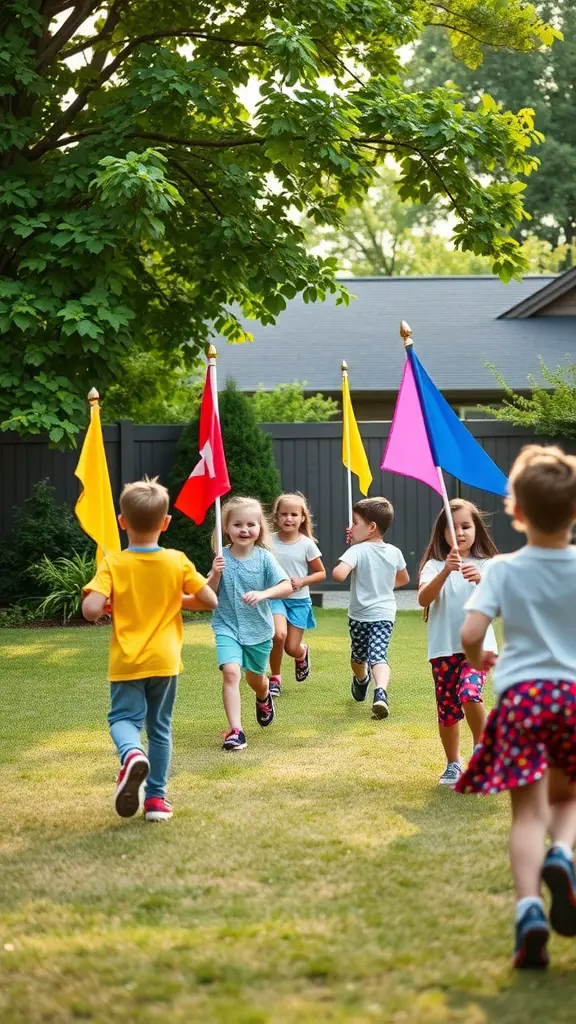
(308, 456)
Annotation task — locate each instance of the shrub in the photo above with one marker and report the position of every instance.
(62, 580)
(287, 403)
(42, 526)
(251, 467)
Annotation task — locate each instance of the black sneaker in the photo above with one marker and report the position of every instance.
(380, 707)
(358, 689)
(532, 934)
(265, 711)
(558, 873)
(302, 667)
(275, 686)
(234, 740)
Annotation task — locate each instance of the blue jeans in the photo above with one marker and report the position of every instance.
(151, 701)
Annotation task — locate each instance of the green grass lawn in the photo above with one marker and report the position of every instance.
(319, 876)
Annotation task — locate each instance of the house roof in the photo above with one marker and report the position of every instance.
(458, 326)
(539, 301)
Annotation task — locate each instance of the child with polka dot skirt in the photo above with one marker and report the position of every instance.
(529, 744)
(448, 577)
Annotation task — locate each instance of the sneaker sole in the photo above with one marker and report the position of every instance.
(127, 799)
(533, 953)
(157, 816)
(235, 749)
(380, 710)
(563, 907)
(447, 784)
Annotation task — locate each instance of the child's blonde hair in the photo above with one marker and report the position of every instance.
(144, 504)
(230, 507)
(542, 483)
(295, 496)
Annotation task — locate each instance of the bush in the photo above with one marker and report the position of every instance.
(287, 403)
(251, 468)
(42, 526)
(62, 581)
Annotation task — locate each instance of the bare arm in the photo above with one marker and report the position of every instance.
(401, 578)
(282, 589)
(428, 592)
(204, 600)
(93, 605)
(473, 633)
(316, 576)
(341, 572)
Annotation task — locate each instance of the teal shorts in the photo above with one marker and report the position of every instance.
(252, 657)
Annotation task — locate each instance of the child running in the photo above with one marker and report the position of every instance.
(146, 586)
(299, 556)
(376, 568)
(448, 576)
(246, 577)
(529, 744)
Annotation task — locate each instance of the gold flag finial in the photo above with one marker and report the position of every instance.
(212, 353)
(93, 397)
(406, 333)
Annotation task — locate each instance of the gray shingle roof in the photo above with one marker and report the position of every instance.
(455, 327)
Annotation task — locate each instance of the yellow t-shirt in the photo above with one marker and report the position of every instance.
(146, 590)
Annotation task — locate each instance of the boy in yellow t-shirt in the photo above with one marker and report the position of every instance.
(147, 587)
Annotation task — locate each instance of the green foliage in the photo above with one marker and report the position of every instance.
(543, 80)
(551, 413)
(151, 390)
(287, 403)
(17, 615)
(251, 468)
(142, 203)
(42, 527)
(62, 581)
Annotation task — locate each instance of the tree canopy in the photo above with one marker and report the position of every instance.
(144, 204)
(543, 80)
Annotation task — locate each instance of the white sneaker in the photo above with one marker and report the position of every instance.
(451, 774)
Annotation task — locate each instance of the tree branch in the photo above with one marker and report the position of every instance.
(81, 12)
(151, 37)
(197, 185)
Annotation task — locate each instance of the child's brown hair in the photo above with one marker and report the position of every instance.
(439, 548)
(376, 510)
(543, 484)
(297, 497)
(144, 504)
(231, 506)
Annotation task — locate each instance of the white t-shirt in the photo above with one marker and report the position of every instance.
(534, 592)
(447, 612)
(294, 559)
(374, 567)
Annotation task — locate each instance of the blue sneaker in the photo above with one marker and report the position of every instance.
(380, 707)
(358, 689)
(558, 873)
(532, 934)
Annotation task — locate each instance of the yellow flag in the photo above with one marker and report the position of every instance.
(95, 506)
(353, 454)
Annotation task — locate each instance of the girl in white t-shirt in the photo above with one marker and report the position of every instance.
(299, 555)
(448, 577)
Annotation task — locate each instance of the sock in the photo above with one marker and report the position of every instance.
(277, 679)
(523, 905)
(303, 658)
(564, 848)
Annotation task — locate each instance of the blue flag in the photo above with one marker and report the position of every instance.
(451, 444)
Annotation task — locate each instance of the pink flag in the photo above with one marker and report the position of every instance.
(408, 449)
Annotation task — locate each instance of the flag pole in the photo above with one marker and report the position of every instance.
(346, 429)
(406, 335)
(212, 357)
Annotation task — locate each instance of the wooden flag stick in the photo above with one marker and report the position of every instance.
(406, 335)
(346, 429)
(212, 357)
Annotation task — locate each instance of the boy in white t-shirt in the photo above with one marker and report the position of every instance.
(529, 744)
(376, 569)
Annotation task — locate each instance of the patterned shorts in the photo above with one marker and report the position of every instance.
(369, 641)
(533, 727)
(456, 683)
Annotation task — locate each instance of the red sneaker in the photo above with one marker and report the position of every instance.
(132, 774)
(156, 808)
